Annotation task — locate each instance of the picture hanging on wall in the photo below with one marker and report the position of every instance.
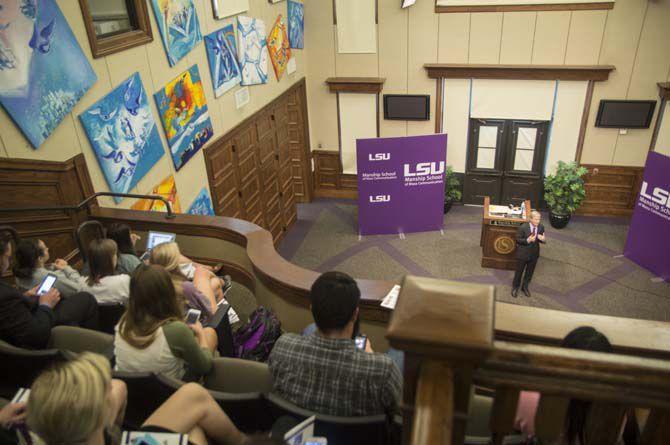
(222, 57)
(252, 51)
(168, 190)
(278, 47)
(202, 204)
(296, 24)
(226, 8)
(179, 27)
(43, 71)
(123, 133)
(183, 111)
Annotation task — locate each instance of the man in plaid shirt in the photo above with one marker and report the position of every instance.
(325, 372)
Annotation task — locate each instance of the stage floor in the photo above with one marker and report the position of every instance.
(579, 270)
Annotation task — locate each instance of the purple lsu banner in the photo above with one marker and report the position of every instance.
(401, 184)
(648, 243)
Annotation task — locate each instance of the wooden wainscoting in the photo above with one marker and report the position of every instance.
(611, 190)
(259, 169)
(329, 181)
(34, 183)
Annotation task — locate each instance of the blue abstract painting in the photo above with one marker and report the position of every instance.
(184, 115)
(43, 71)
(222, 57)
(123, 134)
(179, 27)
(202, 204)
(252, 51)
(296, 24)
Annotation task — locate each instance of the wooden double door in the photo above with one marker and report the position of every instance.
(505, 161)
(259, 169)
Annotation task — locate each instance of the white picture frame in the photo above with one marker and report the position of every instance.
(228, 8)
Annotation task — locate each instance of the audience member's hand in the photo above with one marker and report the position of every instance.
(541, 237)
(12, 414)
(134, 237)
(368, 346)
(196, 328)
(60, 264)
(32, 293)
(50, 298)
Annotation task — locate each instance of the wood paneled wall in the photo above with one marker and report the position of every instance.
(611, 190)
(259, 169)
(329, 181)
(33, 183)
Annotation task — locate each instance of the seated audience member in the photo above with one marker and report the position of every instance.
(31, 267)
(78, 402)
(102, 283)
(151, 336)
(585, 338)
(325, 372)
(125, 242)
(197, 294)
(26, 319)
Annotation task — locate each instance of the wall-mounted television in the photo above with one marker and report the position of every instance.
(407, 107)
(625, 113)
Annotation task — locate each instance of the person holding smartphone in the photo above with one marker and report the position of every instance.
(26, 318)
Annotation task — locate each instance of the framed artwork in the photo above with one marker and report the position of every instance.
(252, 50)
(43, 71)
(275, 1)
(226, 8)
(278, 47)
(183, 112)
(123, 134)
(202, 204)
(179, 27)
(296, 24)
(168, 190)
(222, 57)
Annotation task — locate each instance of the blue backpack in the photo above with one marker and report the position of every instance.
(255, 339)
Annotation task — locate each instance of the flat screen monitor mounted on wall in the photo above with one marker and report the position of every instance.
(625, 113)
(407, 107)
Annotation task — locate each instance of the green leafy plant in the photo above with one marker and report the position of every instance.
(452, 186)
(564, 191)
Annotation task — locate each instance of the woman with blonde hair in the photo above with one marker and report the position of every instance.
(78, 402)
(199, 294)
(151, 336)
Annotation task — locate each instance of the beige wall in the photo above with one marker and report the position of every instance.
(150, 60)
(633, 36)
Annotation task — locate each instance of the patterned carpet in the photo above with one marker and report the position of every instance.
(580, 269)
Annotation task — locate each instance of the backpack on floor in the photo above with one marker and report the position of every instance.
(255, 339)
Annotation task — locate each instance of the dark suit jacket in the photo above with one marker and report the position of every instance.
(524, 249)
(22, 322)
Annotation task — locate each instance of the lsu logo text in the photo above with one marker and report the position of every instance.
(379, 157)
(424, 169)
(658, 195)
(380, 198)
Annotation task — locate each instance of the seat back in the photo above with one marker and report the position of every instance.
(78, 340)
(236, 375)
(87, 232)
(20, 366)
(248, 411)
(368, 430)
(146, 392)
(109, 315)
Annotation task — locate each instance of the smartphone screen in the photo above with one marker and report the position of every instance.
(46, 285)
(192, 316)
(361, 341)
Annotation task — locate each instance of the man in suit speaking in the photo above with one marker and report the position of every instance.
(528, 239)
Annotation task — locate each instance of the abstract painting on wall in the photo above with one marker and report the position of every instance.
(43, 71)
(202, 204)
(123, 134)
(168, 190)
(278, 47)
(179, 27)
(296, 24)
(252, 51)
(222, 57)
(183, 111)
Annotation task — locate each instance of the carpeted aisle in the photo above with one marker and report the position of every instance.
(580, 269)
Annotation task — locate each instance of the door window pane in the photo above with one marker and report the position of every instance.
(525, 149)
(523, 160)
(488, 136)
(526, 138)
(486, 146)
(486, 157)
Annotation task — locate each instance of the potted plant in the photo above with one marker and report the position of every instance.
(452, 188)
(564, 192)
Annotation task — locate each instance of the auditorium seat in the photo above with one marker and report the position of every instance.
(368, 430)
(109, 315)
(78, 340)
(248, 410)
(234, 375)
(21, 366)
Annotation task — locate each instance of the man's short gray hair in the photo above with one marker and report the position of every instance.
(535, 212)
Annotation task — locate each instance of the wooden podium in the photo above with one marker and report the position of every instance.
(498, 238)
